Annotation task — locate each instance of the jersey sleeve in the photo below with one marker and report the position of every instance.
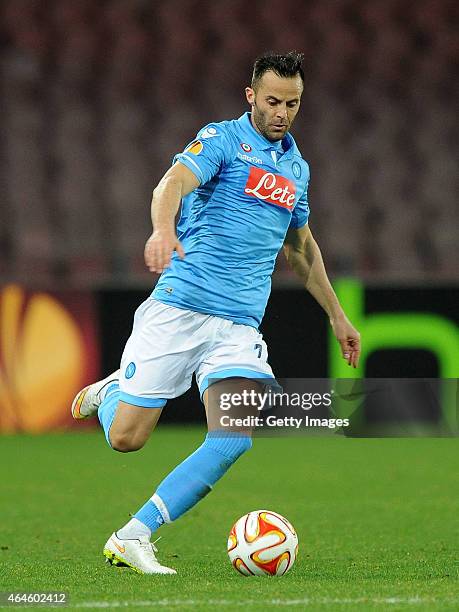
(206, 155)
(300, 214)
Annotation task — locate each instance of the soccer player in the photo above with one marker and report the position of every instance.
(242, 185)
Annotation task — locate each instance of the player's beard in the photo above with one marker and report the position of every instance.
(261, 121)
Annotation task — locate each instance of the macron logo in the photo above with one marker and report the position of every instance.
(249, 158)
(272, 188)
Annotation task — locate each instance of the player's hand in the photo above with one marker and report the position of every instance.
(159, 248)
(349, 340)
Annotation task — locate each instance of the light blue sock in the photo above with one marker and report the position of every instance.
(107, 409)
(193, 479)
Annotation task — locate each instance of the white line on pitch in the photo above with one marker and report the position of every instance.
(274, 602)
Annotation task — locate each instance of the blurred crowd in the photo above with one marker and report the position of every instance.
(97, 97)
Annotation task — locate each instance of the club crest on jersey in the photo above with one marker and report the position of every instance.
(130, 370)
(195, 147)
(272, 188)
(296, 169)
(246, 147)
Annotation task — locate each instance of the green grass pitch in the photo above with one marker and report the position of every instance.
(377, 519)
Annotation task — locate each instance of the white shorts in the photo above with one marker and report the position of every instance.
(168, 345)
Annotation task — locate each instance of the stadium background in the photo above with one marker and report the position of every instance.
(97, 98)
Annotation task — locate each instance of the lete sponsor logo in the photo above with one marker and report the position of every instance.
(272, 188)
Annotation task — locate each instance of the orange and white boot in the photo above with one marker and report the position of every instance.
(88, 400)
(137, 553)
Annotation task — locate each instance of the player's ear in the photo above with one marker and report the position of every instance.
(250, 95)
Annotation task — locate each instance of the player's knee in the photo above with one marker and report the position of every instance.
(126, 442)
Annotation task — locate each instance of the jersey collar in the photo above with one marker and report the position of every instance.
(261, 142)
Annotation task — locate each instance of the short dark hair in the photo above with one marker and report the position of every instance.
(288, 65)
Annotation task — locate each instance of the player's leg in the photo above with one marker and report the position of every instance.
(131, 426)
(185, 486)
(230, 363)
(194, 478)
(127, 428)
(157, 363)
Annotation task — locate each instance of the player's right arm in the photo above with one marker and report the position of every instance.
(178, 182)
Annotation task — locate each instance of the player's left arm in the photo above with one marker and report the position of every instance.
(304, 257)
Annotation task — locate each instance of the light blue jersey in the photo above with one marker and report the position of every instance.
(234, 224)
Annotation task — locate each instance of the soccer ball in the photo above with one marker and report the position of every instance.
(262, 543)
